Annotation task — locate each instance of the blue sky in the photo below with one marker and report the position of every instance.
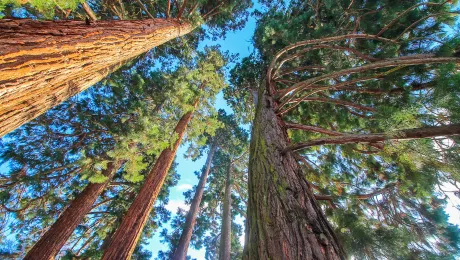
(238, 42)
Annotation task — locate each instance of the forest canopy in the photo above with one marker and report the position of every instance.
(196, 129)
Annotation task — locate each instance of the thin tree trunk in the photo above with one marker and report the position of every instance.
(226, 233)
(181, 250)
(43, 63)
(284, 219)
(415, 133)
(125, 239)
(58, 234)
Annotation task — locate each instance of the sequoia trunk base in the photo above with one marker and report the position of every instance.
(284, 219)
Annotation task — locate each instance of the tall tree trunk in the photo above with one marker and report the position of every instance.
(124, 240)
(181, 250)
(226, 233)
(58, 234)
(284, 219)
(43, 63)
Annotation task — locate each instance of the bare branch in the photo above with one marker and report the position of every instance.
(403, 61)
(89, 11)
(319, 41)
(181, 10)
(415, 133)
(404, 13)
(387, 188)
(168, 8)
(145, 9)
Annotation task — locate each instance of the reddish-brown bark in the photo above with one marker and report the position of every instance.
(58, 234)
(226, 230)
(125, 238)
(184, 241)
(43, 63)
(284, 220)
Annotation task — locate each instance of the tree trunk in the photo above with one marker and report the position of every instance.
(284, 219)
(58, 234)
(43, 63)
(181, 250)
(125, 239)
(226, 233)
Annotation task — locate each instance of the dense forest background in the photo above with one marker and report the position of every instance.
(312, 129)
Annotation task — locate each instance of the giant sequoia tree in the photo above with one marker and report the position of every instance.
(43, 63)
(336, 70)
(204, 80)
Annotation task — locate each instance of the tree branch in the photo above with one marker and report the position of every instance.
(142, 6)
(181, 11)
(415, 133)
(89, 11)
(360, 196)
(404, 13)
(168, 8)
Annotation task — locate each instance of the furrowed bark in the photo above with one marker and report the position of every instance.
(125, 239)
(184, 242)
(415, 133)
(284, 219)
(58, 234)
(43, 63)
(226, 233)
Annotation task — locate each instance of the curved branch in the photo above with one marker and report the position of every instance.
(415, 133)
(404, 13)
(421, 19)
(402, 61)
(387, 188)
(312, 129)
(333, 101)
(324, 40)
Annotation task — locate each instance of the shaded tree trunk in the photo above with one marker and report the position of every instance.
(58, 234)
(125, 239)
(226, 233)
(284, 219)
(181, 250)
(43, 63)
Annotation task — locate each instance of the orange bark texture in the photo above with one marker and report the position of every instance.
(43, 63)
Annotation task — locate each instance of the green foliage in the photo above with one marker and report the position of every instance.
(384, 199)
(45, 7)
